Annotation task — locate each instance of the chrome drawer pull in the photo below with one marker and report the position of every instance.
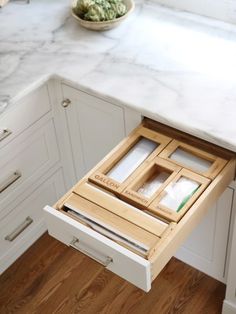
(9, 181)
(105, 263)
(4, 133)
(10, 237)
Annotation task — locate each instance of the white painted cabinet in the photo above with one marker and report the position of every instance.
(95, 127)
(206, 248)
(229, 306)
(76, 138)
(31, 172)
(25, 224)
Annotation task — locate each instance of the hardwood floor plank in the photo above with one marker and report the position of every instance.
(27, 272)
(106, 295)
(53, 278)
(75, 279)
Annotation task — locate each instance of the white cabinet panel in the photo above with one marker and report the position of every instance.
(95, 127)
(229, 306)
(206, 248)
(25, 113)
(47, 192)
(30, 156)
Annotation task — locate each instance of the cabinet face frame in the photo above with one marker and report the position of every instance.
(172, 215)
(217, 162)
(100, 176)
(145, 173)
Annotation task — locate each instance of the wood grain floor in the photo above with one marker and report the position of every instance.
(52, 278)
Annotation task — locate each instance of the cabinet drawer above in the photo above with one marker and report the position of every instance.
(24, 114)
(24, 160)
(137, 206)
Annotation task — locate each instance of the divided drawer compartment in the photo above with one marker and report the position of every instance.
(120, 168)
(141, 201)
(157, 173)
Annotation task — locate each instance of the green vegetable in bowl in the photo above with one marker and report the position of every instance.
(99, 10)
(103, 3)
(119, 8)
(82, 7)
(95, 13)
(110, 15)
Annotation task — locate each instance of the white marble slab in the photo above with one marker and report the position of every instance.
(175, 67)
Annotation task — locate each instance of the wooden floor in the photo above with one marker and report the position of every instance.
(52, 278)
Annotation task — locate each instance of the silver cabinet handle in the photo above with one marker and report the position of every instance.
(10, 180)
(66, 102)
(4, 133)
(10, 237)
(105, 262)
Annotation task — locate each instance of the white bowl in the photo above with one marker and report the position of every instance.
(105, 25)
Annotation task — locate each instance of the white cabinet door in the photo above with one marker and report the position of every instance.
(95, 127)
(206, 248)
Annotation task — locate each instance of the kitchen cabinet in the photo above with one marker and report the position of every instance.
(77, 130)
(229, 305)
(38, 137)
(23, 114)
(95, 127)
(31, 171)
(207, 247)
(24, 223)
(30, 155)
(102, 225)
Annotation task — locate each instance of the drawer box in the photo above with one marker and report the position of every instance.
(113, 256)
(24, 114)
(26, 159)
(106, 223)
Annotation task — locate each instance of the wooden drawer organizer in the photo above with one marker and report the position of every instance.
(190, 169)
(184, 176)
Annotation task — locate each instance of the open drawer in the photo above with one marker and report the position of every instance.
(136, 207)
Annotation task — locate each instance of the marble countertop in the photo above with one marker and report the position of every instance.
(175, 67)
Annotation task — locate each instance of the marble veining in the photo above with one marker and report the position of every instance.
(175, 67)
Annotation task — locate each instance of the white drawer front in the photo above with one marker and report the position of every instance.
(25, 113)
(14, 238)
(126, 264)
(30, 158)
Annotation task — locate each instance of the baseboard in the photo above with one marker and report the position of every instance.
(228, 307)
